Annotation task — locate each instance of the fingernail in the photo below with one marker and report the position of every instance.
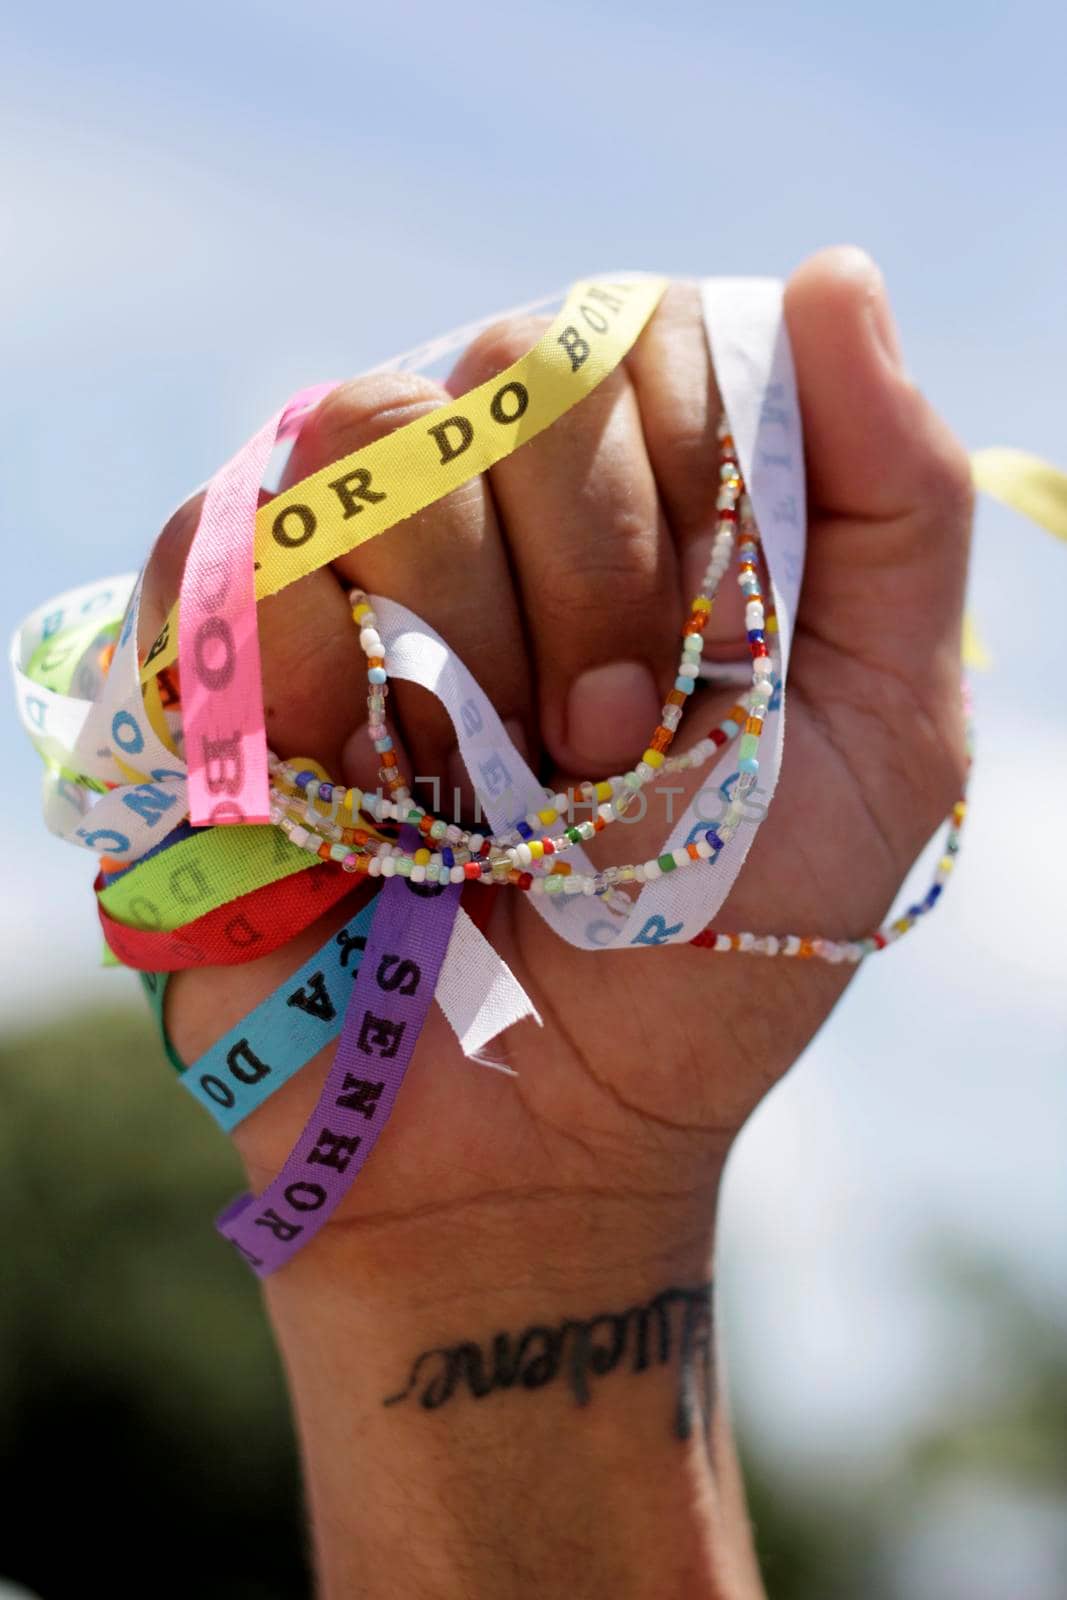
(611, 711)
(883, 323)
(854, 263)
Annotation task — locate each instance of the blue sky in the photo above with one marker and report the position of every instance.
(203, 207)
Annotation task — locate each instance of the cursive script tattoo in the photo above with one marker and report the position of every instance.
(674, 1326)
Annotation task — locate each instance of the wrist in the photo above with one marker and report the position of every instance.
(523, 1364)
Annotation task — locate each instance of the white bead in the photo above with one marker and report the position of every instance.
(792, 945)
(588, 885)
(639, 872)
(538, 886)
(682, 858)
(653, 870)
(573, 884)
(299, 835)
(523, 855)
(374, 867)
(746, 940)
(704, 850)
(607, 811)
(370, 641)
(770, 945)
(388, 867)
(763, 667)
(418, 874)
(723, 942)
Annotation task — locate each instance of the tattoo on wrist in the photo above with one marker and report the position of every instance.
(674, 1327)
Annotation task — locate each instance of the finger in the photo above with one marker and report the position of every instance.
(889, 484)
(306, 640)
(595, 565)
(670, 368)
(447, 563)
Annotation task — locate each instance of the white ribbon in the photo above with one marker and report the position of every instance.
(481, 997)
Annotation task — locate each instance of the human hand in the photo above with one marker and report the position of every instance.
(635, 1082)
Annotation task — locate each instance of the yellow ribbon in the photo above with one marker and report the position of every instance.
(365, 493)
(1026, 484)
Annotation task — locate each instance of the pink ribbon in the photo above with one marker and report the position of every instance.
(218, 634)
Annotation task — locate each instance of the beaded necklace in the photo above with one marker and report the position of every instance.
(529, 856)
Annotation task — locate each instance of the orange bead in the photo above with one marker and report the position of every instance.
(753, 724)
(696, 624)
(676, 698)
(389, 758)
(661, 739)
(692, 852)
(807, 949)
(323, 852)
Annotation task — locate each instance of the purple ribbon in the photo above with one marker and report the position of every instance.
(386, 1010)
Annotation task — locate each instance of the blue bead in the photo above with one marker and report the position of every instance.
(748, 764)
(687, 685)
(325, 791)
(376, 675)
(447, 857)
(730, 727)
(755, 636)
(524, 830)
(713, 839)
(302, 779)
(381, 745)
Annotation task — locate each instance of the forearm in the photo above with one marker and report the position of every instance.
(517, 1399)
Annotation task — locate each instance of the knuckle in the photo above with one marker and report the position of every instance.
(948, 488)
(366, 408)
(500, 346)
(613, 577)
(690, 463)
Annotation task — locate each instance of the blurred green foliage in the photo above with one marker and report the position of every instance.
(139, 1388)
